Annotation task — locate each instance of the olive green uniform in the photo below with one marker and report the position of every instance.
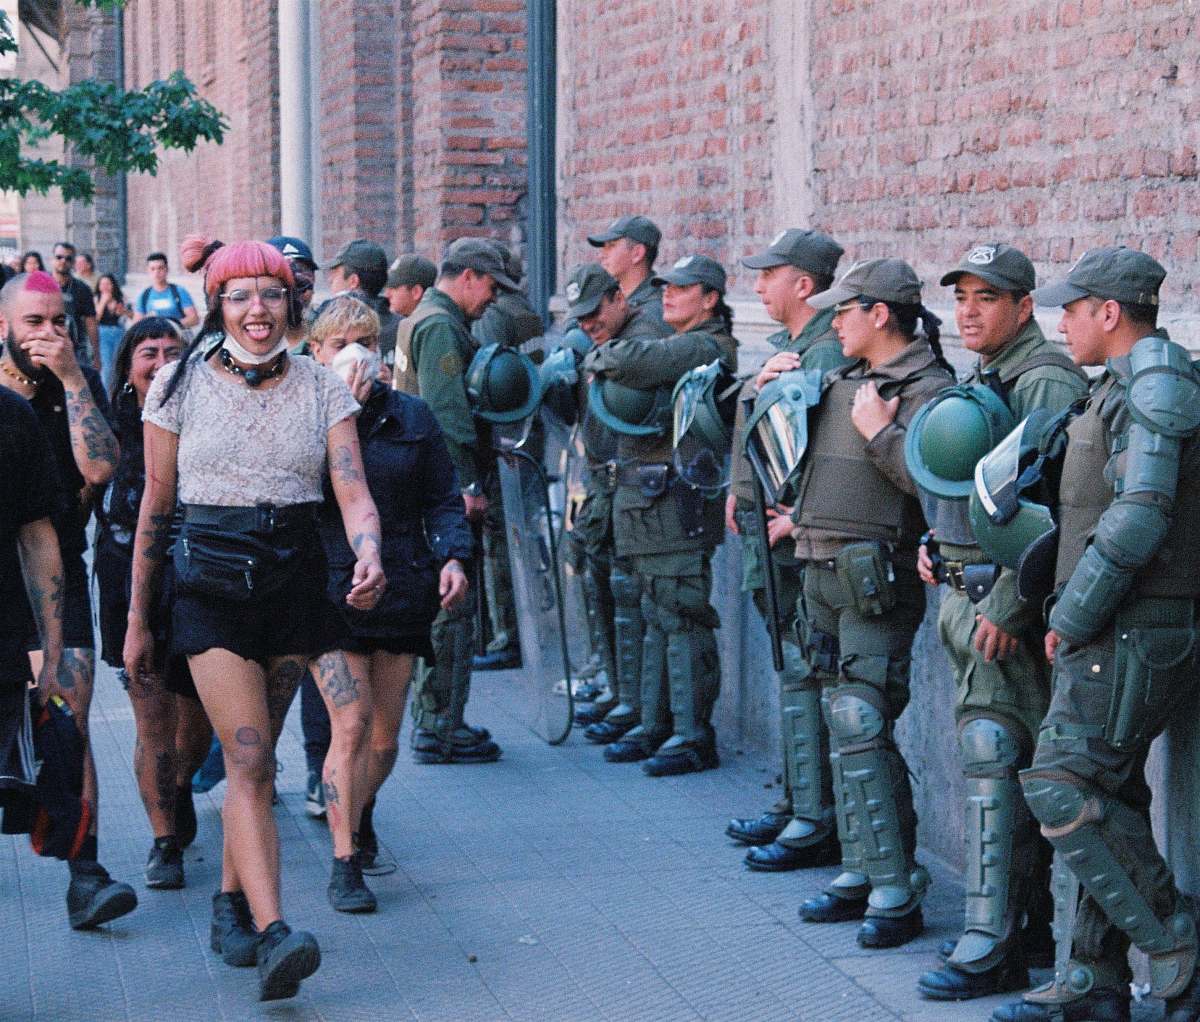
(647, 299)
(433, 350)
(1126, 591)
(858, 522)
(509, 321)
(808, 784)
(668, 532)
(999, 705)
(614, 592)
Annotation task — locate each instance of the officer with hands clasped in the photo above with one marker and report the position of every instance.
(665, 525)
(599, 305)
(799, 831)
(857, 526)
(433, 351)
(1122, 638)
(991, 635)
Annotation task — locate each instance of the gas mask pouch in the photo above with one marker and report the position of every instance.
(866, 573)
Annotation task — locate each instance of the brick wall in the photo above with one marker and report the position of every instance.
(1058, 126)
(666, 109)
(231, 191)
(466, 153)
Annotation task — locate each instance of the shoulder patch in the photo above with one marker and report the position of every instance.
(1163, 393)
(450, 364)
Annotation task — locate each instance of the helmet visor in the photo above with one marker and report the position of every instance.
(996, 477)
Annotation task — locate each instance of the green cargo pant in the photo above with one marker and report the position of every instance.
(441, 689)
(591, 536)
(999, 707)
(1111, 698)
(680, 643)
(862, 661)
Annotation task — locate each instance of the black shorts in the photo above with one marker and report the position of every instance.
(77, 610)
(338, 633)
(286, 621)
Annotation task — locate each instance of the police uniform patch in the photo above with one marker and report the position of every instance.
(981, 255)
(573, 291)
(450, 364)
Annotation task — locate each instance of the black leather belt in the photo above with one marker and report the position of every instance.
(970, 577)
(262, 518)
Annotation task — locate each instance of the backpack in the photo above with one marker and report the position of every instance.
(144, 297)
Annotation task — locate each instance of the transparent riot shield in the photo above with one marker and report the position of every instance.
(533, 539)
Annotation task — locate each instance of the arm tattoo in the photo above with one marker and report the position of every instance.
(337, 680)
(97, 435)
(73, 669)
(159, 535)
(43, 603)
(344, 465)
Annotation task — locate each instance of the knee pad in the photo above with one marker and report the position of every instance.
(1060, 801)
(854, 720)
(989, 747)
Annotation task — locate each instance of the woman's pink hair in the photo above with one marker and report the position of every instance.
(225, 262)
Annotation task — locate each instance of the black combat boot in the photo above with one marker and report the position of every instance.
(94, 898)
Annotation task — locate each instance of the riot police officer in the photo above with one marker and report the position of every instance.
(433, 351)
(991, 634)
(1121, 637)
(614, 594)
(667, 527)
(857, 526)
(799, 831)
(628, 250)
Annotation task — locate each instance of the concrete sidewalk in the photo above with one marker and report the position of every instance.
(548, 886)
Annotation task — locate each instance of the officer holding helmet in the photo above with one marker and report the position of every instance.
(992, 635)
(1122, 637)
(666, 524)
(798, 831)
(614, 593)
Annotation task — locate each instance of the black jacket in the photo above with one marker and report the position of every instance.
(421, 515)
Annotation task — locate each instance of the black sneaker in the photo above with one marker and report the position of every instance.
(347, 890)
(284, 959)
(164, 867)
(95, 898)
(185, 816)
(232, 934)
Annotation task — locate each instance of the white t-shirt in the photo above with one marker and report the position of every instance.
(239, 446)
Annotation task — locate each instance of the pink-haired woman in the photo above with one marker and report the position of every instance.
(240, 434)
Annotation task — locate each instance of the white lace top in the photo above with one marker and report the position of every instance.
(238, 446)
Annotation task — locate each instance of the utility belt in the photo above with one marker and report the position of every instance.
(975, 580)
(654, 479)
(235, 553)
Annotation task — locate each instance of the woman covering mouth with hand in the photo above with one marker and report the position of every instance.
(242, 435)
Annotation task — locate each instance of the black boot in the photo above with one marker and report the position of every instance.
(777, 858)
(458, 746)
(368, 843)
(593, 713)
(94, 898)
(683, 758)
(828, 908)
(348, 891)
(1103, 1004)
(232, 934)
(950, 983)
(284, 959)
(890, 931)
(760, 830)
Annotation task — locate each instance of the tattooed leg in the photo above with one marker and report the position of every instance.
(234, 692)
(343, 681)
(154, 758)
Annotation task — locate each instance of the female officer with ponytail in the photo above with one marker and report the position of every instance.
(858, 523)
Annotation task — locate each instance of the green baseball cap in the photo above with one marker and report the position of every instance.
(636, 228)
(806, 250)
(482, 256)
(885, 280)
(588, 284)
(411, 269)
(361, 256)
(1116, 272)
(1000, 265)
(694, 269)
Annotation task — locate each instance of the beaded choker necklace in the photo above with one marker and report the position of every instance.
(21, 378)
(256, 376)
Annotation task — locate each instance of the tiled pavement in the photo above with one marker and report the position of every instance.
(548, 886)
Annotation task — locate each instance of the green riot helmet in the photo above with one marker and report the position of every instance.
(502, 384)
(704, 404)
(948, 436)
(558, 376)
(1011, 519)
(777, 431)
(628, 410)
(575, 338)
